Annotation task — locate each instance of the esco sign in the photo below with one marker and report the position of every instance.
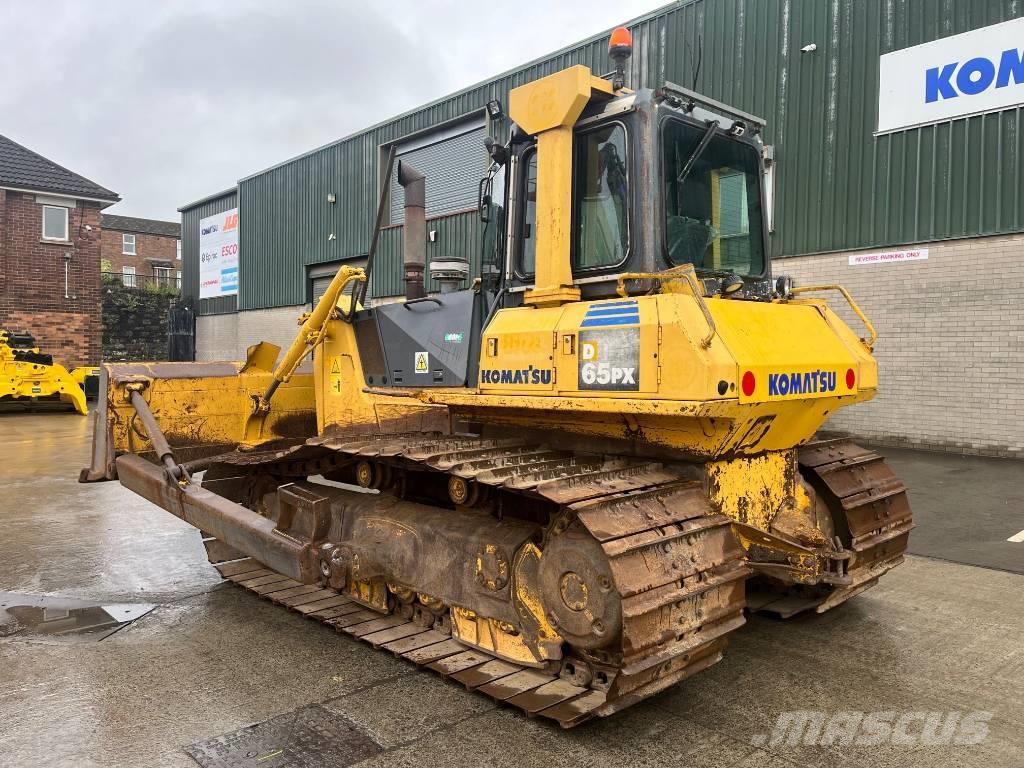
(967, 74)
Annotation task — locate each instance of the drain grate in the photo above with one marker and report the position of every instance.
(310, 737)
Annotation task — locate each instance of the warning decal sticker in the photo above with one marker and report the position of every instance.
(336, 375)
(422, 362)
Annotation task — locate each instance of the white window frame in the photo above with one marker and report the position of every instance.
(124, 245)
(43, 223)
(178, 250)
(128, 276)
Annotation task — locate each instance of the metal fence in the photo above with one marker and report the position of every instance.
(157, 282)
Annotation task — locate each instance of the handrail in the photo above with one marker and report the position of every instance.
(143, 281)
(853, 305)
(684, 272)
(422, 299)
(359, 297)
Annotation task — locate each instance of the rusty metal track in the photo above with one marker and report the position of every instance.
(560, 476)
(676, 570)
(866, 497)
(532, 691)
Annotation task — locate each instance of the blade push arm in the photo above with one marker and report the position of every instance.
(310, 336)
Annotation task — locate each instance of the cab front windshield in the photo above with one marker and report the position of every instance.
(712, 202)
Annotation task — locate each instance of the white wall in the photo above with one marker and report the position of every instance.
(950, 346)
(226, 337)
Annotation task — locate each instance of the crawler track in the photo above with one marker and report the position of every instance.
(530, 690)
(869, 506)
(872, 517)
(675, 571)
(675, 576)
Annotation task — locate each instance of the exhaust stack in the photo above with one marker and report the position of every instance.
(414, 229)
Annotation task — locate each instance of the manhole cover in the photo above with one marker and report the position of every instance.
(308, 737)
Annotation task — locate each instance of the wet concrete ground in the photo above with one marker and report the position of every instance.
(934, 636)
(966, 507)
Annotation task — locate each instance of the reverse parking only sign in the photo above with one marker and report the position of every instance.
(610, 359)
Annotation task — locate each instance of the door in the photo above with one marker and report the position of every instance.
(181, 333)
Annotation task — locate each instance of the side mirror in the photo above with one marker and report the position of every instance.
(483, 202)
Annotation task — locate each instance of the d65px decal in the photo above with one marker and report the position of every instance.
(610, 359)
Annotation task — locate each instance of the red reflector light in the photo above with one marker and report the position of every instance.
(748, 383)
(851, 378)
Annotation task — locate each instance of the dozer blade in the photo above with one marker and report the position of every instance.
(201, 408)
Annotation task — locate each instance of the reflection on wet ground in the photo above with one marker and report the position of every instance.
(66, 618)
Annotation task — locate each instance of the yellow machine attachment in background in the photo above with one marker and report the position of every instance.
(28, 377)
(83, 373)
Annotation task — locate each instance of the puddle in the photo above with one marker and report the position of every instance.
(64, 618)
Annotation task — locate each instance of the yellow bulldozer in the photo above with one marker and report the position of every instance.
(554, 485)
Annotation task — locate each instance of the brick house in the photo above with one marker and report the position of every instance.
(141, 252)
(50, 254)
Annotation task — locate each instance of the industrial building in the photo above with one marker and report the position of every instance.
(893, 168)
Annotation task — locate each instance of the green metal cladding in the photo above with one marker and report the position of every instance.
(837, 186)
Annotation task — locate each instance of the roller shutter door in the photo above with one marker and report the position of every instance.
(322, 275)
(453, 160)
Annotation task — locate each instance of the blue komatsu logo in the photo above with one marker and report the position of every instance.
(812, 382)
(973, 76)
(528, 375)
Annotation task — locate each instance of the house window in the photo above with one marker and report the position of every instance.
(163, 276)
(55, 223)
(178, 253)
(128, 245)
(128, 276)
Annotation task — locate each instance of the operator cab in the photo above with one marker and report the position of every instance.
(657, 180)
(660, 179)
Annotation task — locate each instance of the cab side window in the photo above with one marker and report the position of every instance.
(601, 199)
(528, 222)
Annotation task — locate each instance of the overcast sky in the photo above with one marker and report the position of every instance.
(166, 102)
